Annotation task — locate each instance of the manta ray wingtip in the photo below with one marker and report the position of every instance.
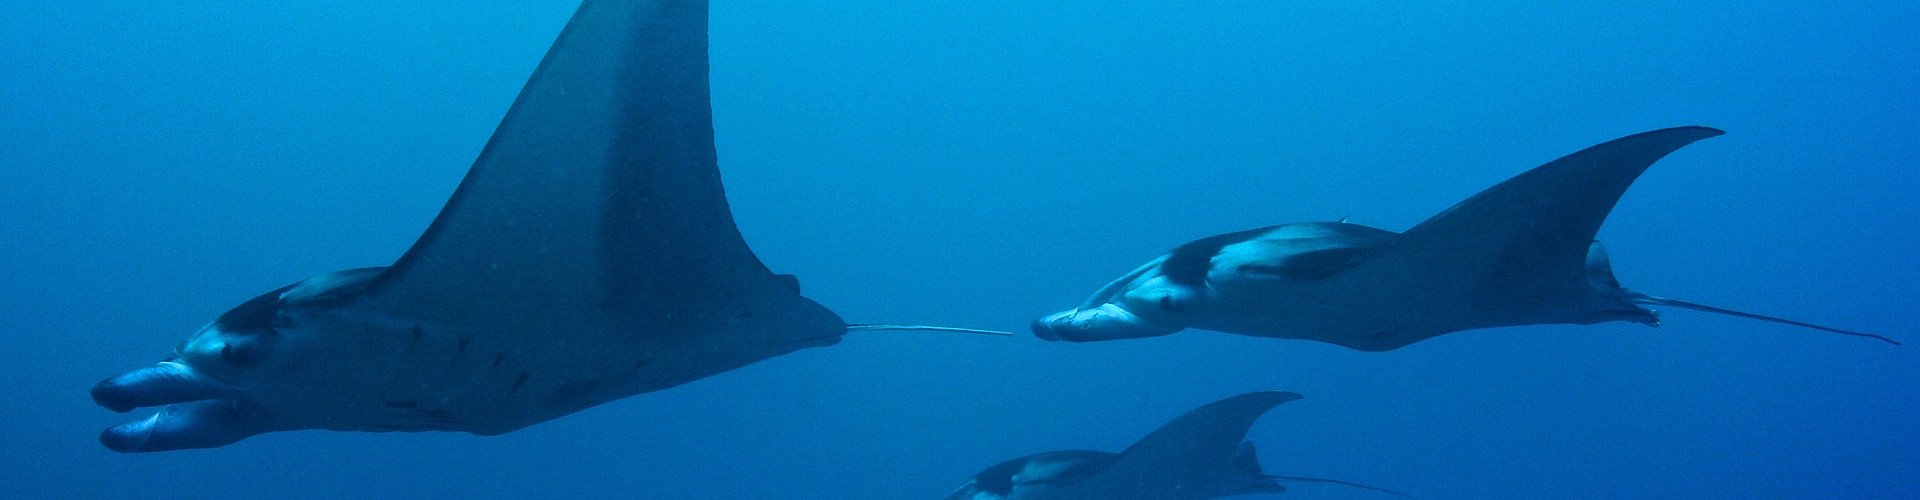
(1703, 130)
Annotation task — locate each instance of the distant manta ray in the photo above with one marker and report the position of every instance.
(1200, 455)
(589, 255)
(1520, 253)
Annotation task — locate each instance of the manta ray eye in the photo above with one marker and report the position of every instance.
(239, 353)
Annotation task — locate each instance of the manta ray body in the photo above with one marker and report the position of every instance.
(1520, 253)
(588, 255)
(1202, 454)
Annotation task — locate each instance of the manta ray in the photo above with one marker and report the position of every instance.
(1202, 454)
(587, 256)
(1520, 253)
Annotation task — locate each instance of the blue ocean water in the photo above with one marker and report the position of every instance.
(980, 164)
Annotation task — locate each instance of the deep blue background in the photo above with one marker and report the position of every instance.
(981, 163)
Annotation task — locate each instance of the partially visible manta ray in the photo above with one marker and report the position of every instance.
(1202, 454)
(589, 255)
(1520, 253)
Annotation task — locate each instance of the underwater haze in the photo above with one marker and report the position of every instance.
(984, 163)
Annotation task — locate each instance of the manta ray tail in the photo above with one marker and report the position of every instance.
(1642, 298)
(1339, 482)
(1600, 276)
(924, 328)
(1248, 461)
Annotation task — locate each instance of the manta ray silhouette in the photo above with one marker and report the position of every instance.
(1519, 253)
(589, 255)
(1202, 454)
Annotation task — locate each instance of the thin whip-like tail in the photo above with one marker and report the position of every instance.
(924, 328)
(1642, 298)
(1339, 482)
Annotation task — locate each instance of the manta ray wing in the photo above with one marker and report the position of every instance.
(598, 203)
(1516, 252)
(1187, 451)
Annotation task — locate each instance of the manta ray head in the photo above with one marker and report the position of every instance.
(222, 385)
(1147, 306)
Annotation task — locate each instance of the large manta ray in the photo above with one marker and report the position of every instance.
(1202, 454)
(1519, 253)
(588, 256)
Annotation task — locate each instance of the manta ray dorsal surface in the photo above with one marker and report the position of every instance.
(1519, 253)
(597, 210)
(1200, 455)
(1195, 447)
(588, 255)
(599, 194)
(1526, 238)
